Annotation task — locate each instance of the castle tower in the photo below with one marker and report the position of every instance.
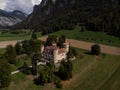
(42, 48)
(55, 54)
(67, 47)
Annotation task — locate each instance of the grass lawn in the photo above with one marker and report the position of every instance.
(90, 36)
(22, 36)
(2, 51)
(89, 73)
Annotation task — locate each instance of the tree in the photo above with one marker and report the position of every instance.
(34, 36)
(26, 69)
(35, 59)
(27, 47)
(51, 70)
(35, 44)
(50, 40)
(61, 40)
(72, 53)
(57, 82)
(69, 69)
(82, 29)
(95, 49)
(5, 72)
(31, 46)
(47, 74)
(65, 70)
(18, 48)
(10, 54)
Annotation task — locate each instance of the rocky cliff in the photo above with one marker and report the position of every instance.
(11, 18)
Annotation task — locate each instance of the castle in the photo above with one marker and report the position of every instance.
(54, 52)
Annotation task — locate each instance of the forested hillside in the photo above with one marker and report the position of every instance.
(96, 15)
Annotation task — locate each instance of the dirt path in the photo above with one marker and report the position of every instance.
(77, 44)
(87, 46)
(5, 43)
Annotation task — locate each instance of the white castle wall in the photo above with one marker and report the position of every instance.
(57, 57)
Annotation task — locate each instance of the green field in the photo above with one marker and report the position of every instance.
(22, 36)
(89, 73)
(90, 36)
(2, 51)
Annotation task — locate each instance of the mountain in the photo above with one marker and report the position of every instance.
(11, 18)
(44, 13)
(53, 15)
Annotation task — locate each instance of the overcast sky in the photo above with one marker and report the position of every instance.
(22, 5)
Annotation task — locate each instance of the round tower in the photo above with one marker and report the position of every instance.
(55, 54)
(42, 48)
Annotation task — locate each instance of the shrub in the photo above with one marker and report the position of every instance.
(26, 69)
(57, 82)
(95, 49)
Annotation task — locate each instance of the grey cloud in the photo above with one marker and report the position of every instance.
(22, 5)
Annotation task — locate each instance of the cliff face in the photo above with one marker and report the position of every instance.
(45, 12)
(10, 18)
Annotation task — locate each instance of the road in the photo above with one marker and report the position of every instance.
(76, 43)
(4, 44)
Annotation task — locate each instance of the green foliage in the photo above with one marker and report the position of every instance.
(36, 45)
(50, 40)
(31, 46)
(61, 41)
(27, 48)
(35, 58)
(5, 72)
(82, 29)
(47, 74)
(65, 70)
(34, 36)
(10, 54)
(26, 70)
(72, 53)
(18, 48)
(95, 49)
(57, 82)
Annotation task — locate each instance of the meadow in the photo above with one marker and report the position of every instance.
(21, 36)
(89, 73)
(89, 36)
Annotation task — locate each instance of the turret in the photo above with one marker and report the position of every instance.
(67, 47)
(55, 53)
(42, 48)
